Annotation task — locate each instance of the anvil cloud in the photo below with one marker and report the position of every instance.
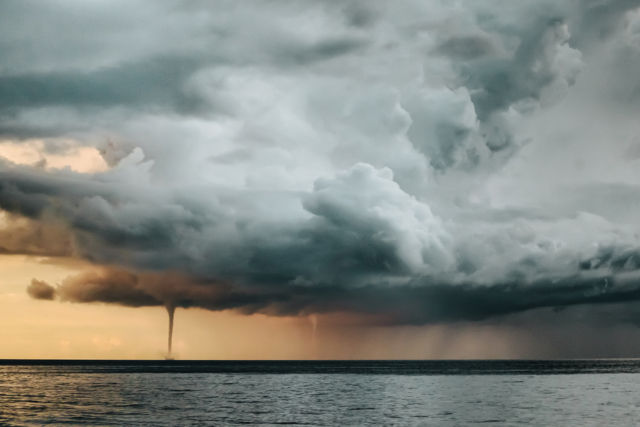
(421, 161)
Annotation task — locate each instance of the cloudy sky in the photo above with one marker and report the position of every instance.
(320, 179)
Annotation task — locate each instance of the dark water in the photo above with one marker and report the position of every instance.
(546, 393)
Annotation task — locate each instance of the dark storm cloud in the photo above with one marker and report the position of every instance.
(428, 303)
(394, 159)
(154, 83)
(340, 238)
(468, 47)
(419, 302)
(376, 251)
(325, 49)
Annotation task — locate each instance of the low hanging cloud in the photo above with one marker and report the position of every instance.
(417, 302)
(41, 290)
(417, 161)
(118, 286)
(363, 245)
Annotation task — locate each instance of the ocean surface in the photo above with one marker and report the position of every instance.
(430, 393)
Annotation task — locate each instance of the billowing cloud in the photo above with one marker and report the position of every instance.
(418, 161)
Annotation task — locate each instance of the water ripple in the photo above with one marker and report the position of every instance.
(42, 395)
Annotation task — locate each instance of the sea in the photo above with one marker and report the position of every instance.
(326, 393)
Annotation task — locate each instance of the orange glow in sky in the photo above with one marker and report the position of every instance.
(51, 329)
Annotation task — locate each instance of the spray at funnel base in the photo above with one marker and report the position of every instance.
(170, 310)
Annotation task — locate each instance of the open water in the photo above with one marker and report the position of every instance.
(430, 393)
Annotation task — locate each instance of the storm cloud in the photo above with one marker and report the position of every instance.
(417, 161)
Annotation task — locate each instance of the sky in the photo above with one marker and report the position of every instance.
(318, 179)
